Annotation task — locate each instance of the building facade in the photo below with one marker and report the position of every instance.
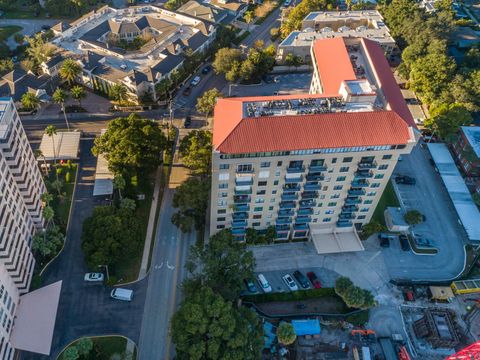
(21, 186)
(313, 165)
(467, 150)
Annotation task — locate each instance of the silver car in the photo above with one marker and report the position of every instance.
(291, 284)
(93, 277)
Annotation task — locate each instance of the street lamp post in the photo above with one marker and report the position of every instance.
(106, 269)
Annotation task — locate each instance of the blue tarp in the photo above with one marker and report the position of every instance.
(269, 334)
(306, 327)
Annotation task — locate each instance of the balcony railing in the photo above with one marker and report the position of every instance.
(293, 180)
(359, 192)
(344, 223)
(295, 169)
(309, 195)
(349, 208)
(300, 227)
(363, 174)
(238, 231)
(315, 177)
(360, 183)
(286, 213)
(346, 216)
(243, 192)
(367, 165)
(312, 186)
(303, 219)
(243, 181)
(241, 207)
(290, 187)
(246, 171)
(240, 216)
(307, 203)
(351, 201)
(280, 235)
(239, 223)
(282, 228)
(286, 197)
(241, 199)
(287, 220)
(287, 205)
(305, 212)
(318, 168)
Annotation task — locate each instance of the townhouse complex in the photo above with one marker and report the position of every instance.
(138, 46)
(21, 186)
(315, 165)
(331, 24)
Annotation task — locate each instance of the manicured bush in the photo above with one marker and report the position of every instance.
(291, 296)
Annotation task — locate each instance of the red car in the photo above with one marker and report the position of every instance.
(314, 280)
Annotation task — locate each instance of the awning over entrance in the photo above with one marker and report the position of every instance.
(65, 144)
(103, 176)
(35, 319)
(328, 240)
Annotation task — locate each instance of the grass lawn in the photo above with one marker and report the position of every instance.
(61, 205)
(104, 348)
(7, 31)
(389, 198)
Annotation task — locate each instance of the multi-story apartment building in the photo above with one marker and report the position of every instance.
(314, 165)
(21, 186)
(467, 150)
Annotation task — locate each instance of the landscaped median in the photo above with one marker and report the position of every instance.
(102, 347)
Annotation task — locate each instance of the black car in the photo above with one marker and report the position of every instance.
(250, 285)
(404, 244)
(206, 69)
(302, 279)
(187, 122)
(187, 91)
(407, 180)
(46, 27)
(384, 240)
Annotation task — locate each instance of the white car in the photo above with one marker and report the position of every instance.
(196, 81)
(291, 284)
(93, 277)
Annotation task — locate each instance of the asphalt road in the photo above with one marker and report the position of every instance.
(163, 293)
(85, 309)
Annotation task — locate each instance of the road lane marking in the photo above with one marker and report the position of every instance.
(170, 267)
(159, 266)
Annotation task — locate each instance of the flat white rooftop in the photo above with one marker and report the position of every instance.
(330, 241)
(64, 143)
(457, 190)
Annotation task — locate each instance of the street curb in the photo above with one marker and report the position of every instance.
(68, 222)
(95, 337)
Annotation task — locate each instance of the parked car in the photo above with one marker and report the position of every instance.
(404, 244)
(406, 180)
(187, 122)
(262, 280)
(93, 277)
(46, 27)
(187, 91)
(384, 240)
(122, 294)
(287, 3)
(314, 280)
(268, 79)
(291, 284)
(206, 69)
(250, 285)
(196, 80)
(302, 279)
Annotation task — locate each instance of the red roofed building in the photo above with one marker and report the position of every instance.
(312, 165)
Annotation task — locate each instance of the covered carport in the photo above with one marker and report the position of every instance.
(328, 240)
(64, 145)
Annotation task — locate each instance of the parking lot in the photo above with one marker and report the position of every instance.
(284, 84)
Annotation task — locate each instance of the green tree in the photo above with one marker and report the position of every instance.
(6, 65)
(128, 204)
(48, 242)
(39, 154)
(196, 151)
(206, 102)
(131, 144)
(342, 285)
(352, 295)
(249, 17)
(119, 92)
(286, 334)
(47, 198)
(191, 201)
(296, 15)
(208, 327)
(293, 60)
(227, 60)
(445, 119)
(48, 215)
(69, 71)
(84, 346)
(224, 264)
(58, 185)
(30, 101)
(119, 184)
(476, 198)
(59, 97)
(78, 93)
(70, 353)
(371, 228)
(413, 217)
(51, 131)
(38, 50)
(163, 88)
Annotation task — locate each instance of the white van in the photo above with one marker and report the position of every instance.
(122, 294)
(262, 280)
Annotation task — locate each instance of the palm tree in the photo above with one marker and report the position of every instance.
(38, 153)
(59, 97)
(46, 198)
(119, 184)
(78, 93)
(163, 87)
(69, 71)
(48, 215)
(30, 101)
(51, 130)
(249, 17)
(119, 92)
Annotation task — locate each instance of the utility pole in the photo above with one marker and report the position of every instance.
(170, 109)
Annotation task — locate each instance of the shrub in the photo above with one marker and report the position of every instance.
(286, 334)
(68, 176)
(353, 296)
(59, 170)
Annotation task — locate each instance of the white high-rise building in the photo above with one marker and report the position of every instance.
(21, 187)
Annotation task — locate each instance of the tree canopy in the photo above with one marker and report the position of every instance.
(447, 118)
(353, 296)
(69, 71)
(208, 327)
(299, 12)
(206, 103)
(196, 151)
(413, 217)
(131, 144)
(286, 333)
(224, 263)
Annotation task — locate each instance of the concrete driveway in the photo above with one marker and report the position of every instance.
(285, 83)
(30, 26)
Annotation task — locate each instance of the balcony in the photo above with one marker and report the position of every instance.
(239, 223)
(281, 235)
(347, 216)
(359, 192)
(239, 216)
(317, 168)
(349, 209)
(282, 221)
(241, 207)
(243, 192)
(286, 213)
(287, 205)
(363, 174)
(360, 183)
(295, 169)
(315, 177)
(351, 201)
(238, 231)
(287, 197)
(290, 187)
(241, 199)
(293, 180)
(246, 170)
(303, 219)
(344, 223)
(312, 186)
(282, 228)
(367, 165)
(300, 227)
(243, 180)
(305, 212)
(307, 203)
(306, 195)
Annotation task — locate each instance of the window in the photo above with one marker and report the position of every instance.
(366, 202)
(220, 226)
(275, 182)
(259, 200)
(265, 164)
(222, 194)
(332, 204)
(329, 212)
(220, 218)
(315, 220)
(270, 208)
(244, 168)
(347, 159)
(258, 208)
(375, 185)
(372, 193)
(327, 219)
(260, 192)
(379, 176)
(257, 216)
(361, 217)
(334, 160)
(279, 163)
(224, 166)
(272, 200)
(341, 178)
(338, 187)
(262, 183)
(221, 211)
(255, 224)
(325, 188)
(364, 209)
(317, 162)
(264, 174)
(221, 203)
(335, 196)
(386, 157)
(274, 192)
(223, 176)
(223, 186)
(322, 197)
(383, 167)
(344, 169)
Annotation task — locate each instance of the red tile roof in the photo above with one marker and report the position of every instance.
(303, 132)
(333, 63)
